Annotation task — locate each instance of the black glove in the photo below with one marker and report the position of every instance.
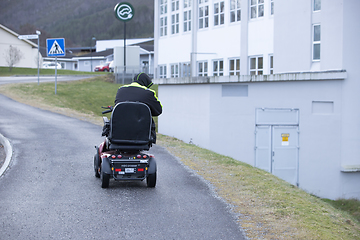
(106, 130)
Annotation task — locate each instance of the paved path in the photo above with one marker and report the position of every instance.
(34, 79)
(49, 190)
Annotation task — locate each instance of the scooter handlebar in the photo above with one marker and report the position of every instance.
(109, 109)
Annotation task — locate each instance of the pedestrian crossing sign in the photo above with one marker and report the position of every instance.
(55, 47)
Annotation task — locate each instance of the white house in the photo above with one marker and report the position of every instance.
(28, 49)
(105, 53)
(271, 83)
(102, 45)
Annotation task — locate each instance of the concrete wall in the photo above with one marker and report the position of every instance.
(350, 142)
(200, 114)
(132, 59)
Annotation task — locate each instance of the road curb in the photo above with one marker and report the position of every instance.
(8, 153)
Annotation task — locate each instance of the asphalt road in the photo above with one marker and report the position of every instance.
(34, 79)
(49, 190)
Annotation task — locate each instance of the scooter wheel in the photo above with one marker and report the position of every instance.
(96, 166)
(151, 180)
(105, 179)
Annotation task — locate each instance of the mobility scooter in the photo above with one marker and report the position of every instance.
(127, 135)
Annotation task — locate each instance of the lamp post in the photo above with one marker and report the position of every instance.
(93, 39)
(38, 58)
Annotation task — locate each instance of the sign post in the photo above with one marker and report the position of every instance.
(34, 36)
(55, 47)
(124, 12)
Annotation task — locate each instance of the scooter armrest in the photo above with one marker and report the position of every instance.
(106, 120)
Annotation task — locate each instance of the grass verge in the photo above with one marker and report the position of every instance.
(267, 207)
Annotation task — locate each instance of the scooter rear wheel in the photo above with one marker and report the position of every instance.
(151, 180)
(105, 179)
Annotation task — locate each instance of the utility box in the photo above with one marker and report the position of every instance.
(124, 74)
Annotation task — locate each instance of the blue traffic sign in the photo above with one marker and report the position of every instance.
(55, 47)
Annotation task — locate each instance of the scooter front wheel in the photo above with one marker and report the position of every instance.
(96, 166)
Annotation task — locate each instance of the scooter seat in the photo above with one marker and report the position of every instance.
(130, 127)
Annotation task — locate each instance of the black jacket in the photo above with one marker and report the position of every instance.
(138, 91)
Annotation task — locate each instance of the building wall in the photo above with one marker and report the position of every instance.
(329, 163)
(29, 52)
(293, 27)
(351, 118)
(200, 114)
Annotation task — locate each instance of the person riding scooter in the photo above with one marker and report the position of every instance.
(139, 91)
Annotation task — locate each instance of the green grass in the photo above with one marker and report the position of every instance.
(85, 96)
(269, 208)
(352, 206)
(4, 71)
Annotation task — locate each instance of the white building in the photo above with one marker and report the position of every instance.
(274, 84)
(28, 50)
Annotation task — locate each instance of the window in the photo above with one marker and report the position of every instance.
(163, 7)
(316, 42)
(174, 70)
(175, 23)
(234, 66)
(219, 13)
(256, 8)
(62, 65)
(187, 15)
(235, 10)
(272, 7)
(174, 5)
(317, 5)
(75, 66)
(271, 64)
(162, 71)
(185, 69)
(202, 68)
(218, 67)
(256, 65)
(163, 18)
(174, 16)
(203, 14)
(163, 26)
(187, 3)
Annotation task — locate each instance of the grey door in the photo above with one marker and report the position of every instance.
(277, 142)
(285, 145)
(263, 148)
(277, 151)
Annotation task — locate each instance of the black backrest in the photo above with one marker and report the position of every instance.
(130, 124)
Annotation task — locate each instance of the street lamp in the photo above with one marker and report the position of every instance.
(38, 57)
(93, 39)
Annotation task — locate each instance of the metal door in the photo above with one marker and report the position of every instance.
(263, 148)
(277, 142)
(285, 153)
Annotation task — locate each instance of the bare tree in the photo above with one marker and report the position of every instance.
(12, 56)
